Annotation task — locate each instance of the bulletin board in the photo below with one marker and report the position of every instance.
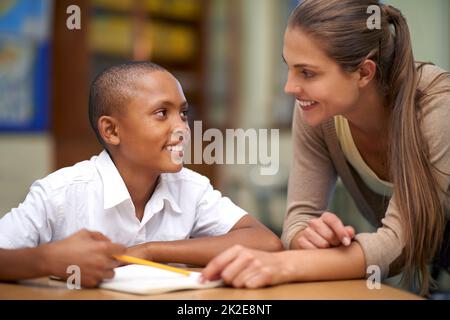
(24, 65)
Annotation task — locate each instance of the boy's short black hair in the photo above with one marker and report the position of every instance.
(112, 88)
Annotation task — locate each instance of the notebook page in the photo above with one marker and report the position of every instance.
(149, 280)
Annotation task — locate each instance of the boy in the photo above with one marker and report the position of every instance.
(136, 192)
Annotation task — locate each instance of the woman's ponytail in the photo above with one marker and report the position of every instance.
(415, 187)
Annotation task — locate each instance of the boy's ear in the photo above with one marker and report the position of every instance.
(367, 72)
(107, 127)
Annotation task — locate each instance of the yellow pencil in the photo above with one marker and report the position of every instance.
(129, 259)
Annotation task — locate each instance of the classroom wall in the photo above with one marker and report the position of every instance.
(262, 78)
(430, 29)
(24, 158)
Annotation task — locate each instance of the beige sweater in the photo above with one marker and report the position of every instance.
(318, 160)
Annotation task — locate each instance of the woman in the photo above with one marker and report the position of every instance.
(366, 112)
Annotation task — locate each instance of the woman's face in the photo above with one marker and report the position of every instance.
(321, 88)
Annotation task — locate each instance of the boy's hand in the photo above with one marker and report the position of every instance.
(323, 232)
(92, 252)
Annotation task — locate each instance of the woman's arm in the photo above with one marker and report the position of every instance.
(311, 179)
(242, 267)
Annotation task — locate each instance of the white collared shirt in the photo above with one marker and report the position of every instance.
(92, 195)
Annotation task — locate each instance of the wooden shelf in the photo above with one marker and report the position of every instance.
(176, 10)
(157, 17)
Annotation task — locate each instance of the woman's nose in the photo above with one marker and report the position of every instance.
(292, 87)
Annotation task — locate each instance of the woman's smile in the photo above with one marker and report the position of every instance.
(307, 105)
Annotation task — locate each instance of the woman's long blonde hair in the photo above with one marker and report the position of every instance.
(341, 28)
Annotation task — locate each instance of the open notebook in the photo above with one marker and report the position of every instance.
(140, 279)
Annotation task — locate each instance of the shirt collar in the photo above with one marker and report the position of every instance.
(161, 194)
(114, 188)
(116, 192)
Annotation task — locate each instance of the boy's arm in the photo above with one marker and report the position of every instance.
(92, 252)
(30, 223)
(248, 232)
(22, 264)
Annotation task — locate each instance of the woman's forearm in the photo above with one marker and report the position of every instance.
(324, 264)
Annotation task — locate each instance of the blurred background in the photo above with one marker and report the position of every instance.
(226, 54)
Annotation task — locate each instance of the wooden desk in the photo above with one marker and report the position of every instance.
(44, 288)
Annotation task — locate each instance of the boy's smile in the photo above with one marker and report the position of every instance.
(153, 128)
(180, 137)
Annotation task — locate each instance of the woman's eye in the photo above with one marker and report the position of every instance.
(308, 74)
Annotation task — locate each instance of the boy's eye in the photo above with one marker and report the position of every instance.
(184, 113)
(161, 113)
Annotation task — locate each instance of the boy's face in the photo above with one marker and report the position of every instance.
(149, 124)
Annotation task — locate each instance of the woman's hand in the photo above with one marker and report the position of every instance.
(323, 232)
(247, 268)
